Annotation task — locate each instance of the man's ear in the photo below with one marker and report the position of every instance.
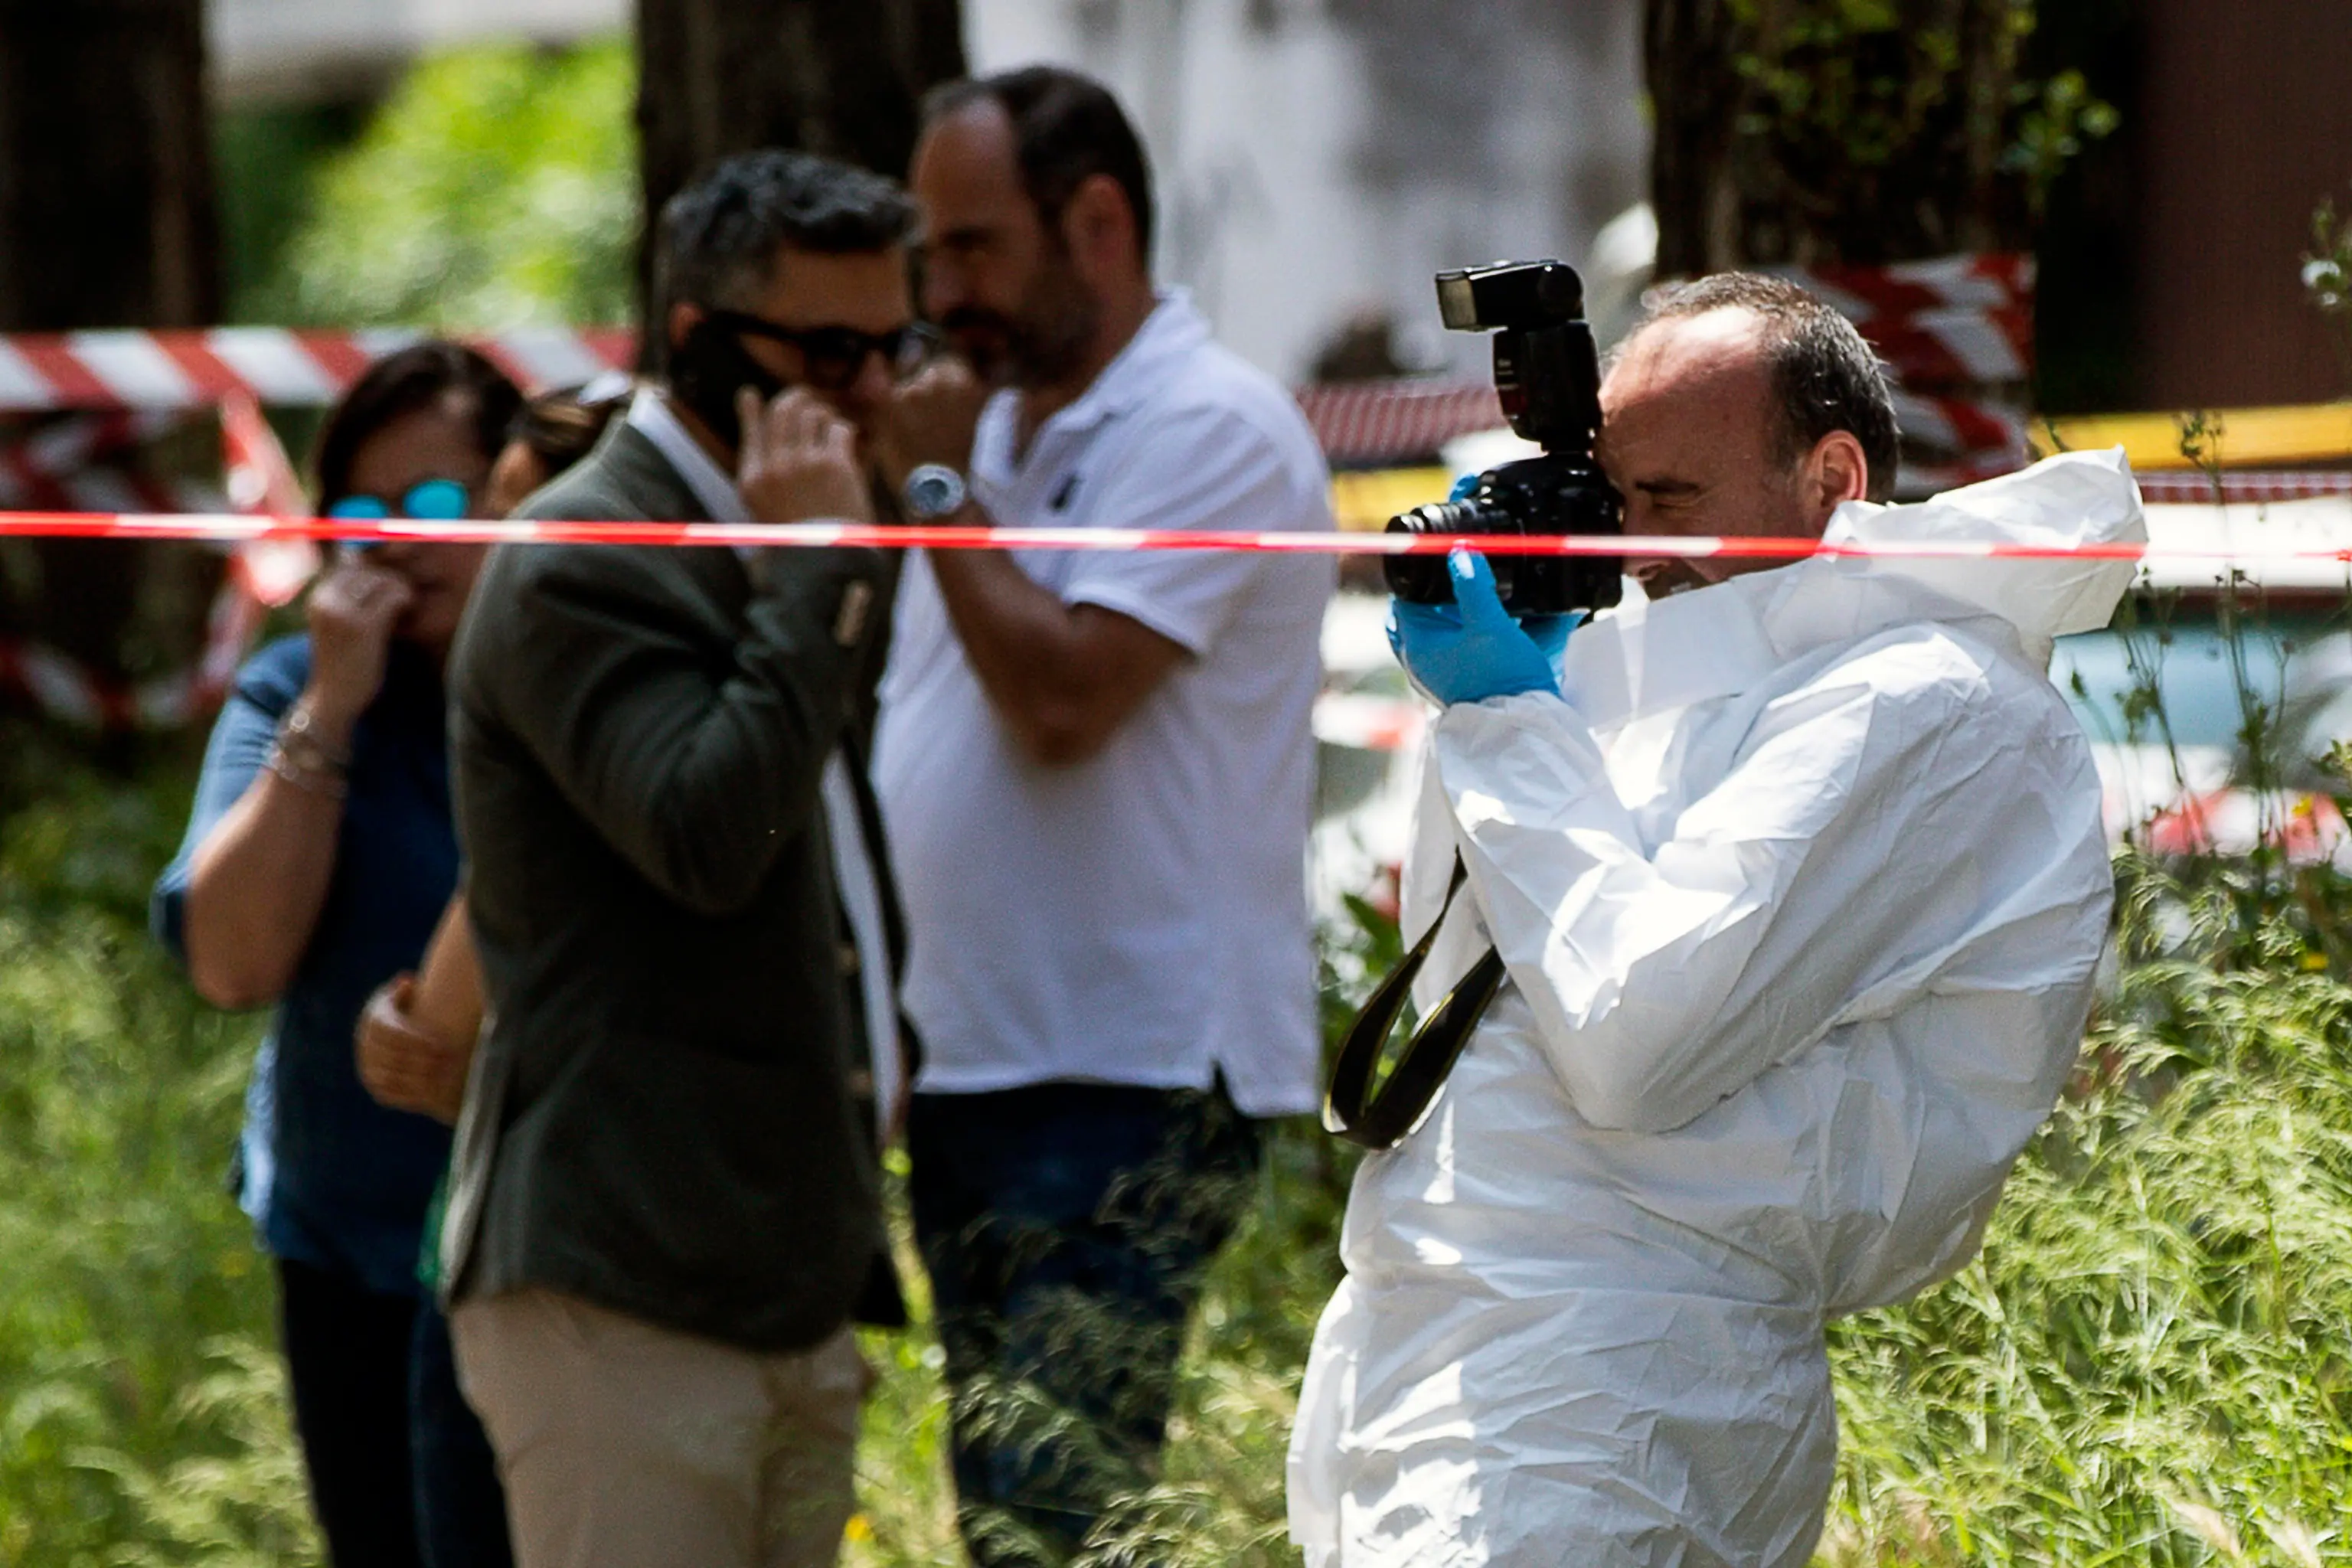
(1835, 472)
(1099, 227)
(684, 318)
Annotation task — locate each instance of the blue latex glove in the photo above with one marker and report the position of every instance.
(1471, 649)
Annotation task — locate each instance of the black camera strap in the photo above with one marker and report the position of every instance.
(1380, 1118)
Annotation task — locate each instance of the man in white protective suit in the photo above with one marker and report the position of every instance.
(1798, 878)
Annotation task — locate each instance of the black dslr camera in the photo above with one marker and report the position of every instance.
(1547, 372)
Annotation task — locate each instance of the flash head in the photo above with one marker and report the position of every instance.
(1548, 384)
(1525, 295)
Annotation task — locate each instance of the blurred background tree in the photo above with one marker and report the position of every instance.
(1868, 131)
(502, 186)
(1853, 130)
(493, 189)
(106, 220)
(843, 77)
(106, 195)
(2327, 278)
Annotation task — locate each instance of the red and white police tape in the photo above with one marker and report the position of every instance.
(239, 528)
(128, 368)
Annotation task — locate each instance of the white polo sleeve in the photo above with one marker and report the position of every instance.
(1197, 468)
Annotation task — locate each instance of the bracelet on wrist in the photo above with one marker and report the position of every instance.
(306, 774)
(299, 738)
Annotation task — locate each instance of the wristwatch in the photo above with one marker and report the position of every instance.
(933, 491)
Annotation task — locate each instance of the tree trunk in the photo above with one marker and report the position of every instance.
(106, 193)
(1785, 134)
(839, 77)
(106, 220)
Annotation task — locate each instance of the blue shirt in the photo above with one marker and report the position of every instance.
(332, 1178)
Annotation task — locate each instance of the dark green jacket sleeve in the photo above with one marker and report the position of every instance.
(697, 775)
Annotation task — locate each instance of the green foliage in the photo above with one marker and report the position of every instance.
(266, 159)
(2327, 278)
(141, 1415)
(2149, 1362)
(1897, 128)
(497, 187)
(2055, 120)
(1855, 72)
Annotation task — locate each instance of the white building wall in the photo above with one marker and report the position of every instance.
(1315, 157)
(263, 48)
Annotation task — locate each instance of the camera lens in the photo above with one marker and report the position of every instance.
(1423, 579)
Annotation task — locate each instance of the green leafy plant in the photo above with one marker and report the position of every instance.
(2148, 1363)
(1866, 121)
(2327, 278)
(497, 187)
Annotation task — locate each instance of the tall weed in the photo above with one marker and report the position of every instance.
(2149, 1362)
(140, 1414)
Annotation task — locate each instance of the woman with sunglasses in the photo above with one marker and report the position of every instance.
(419, 1061)
(319, 857)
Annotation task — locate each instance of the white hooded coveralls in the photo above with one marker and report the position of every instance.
(1801, 887)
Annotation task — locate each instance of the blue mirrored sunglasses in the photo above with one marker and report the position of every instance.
(428, 501)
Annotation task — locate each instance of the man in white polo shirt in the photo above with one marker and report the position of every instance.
(1097, 771)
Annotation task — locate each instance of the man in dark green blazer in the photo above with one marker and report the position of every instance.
(664, 1203)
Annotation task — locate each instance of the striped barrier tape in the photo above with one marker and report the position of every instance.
(237, 528)
(53, 472)
(162, 370)
(84, 464)
(1956, 300)
(1957, 335)
(1940, 324)
(1979, 280)
(134, 369)
(1954, 347)
(1947, 322)
(85, 699)
(262, 481)
(1374, 423)
(2254, 488)
(1358, 424)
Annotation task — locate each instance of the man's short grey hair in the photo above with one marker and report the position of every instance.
(720, 236)
(1824, 376)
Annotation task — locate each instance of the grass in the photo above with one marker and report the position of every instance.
(2151, 1362)
(141, 1415)
(2148, 1365)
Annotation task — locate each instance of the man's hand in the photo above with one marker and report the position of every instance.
(799, 462)
(352, 613)
(931, 419)
(1472, 649)
(403, 1067)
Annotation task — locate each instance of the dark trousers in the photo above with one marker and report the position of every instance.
(347, 1350)
(461, 1509)
(1065, 1227)
(401, 1476)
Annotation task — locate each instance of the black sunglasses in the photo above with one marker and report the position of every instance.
(832, 358)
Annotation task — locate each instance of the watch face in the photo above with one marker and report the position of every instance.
(933, 491)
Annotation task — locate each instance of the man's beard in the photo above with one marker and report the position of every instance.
(1043, 345)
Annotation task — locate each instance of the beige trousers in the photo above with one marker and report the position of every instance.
(627, 1445)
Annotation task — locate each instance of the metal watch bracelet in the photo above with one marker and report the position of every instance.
(303, 758)
(310, 780)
